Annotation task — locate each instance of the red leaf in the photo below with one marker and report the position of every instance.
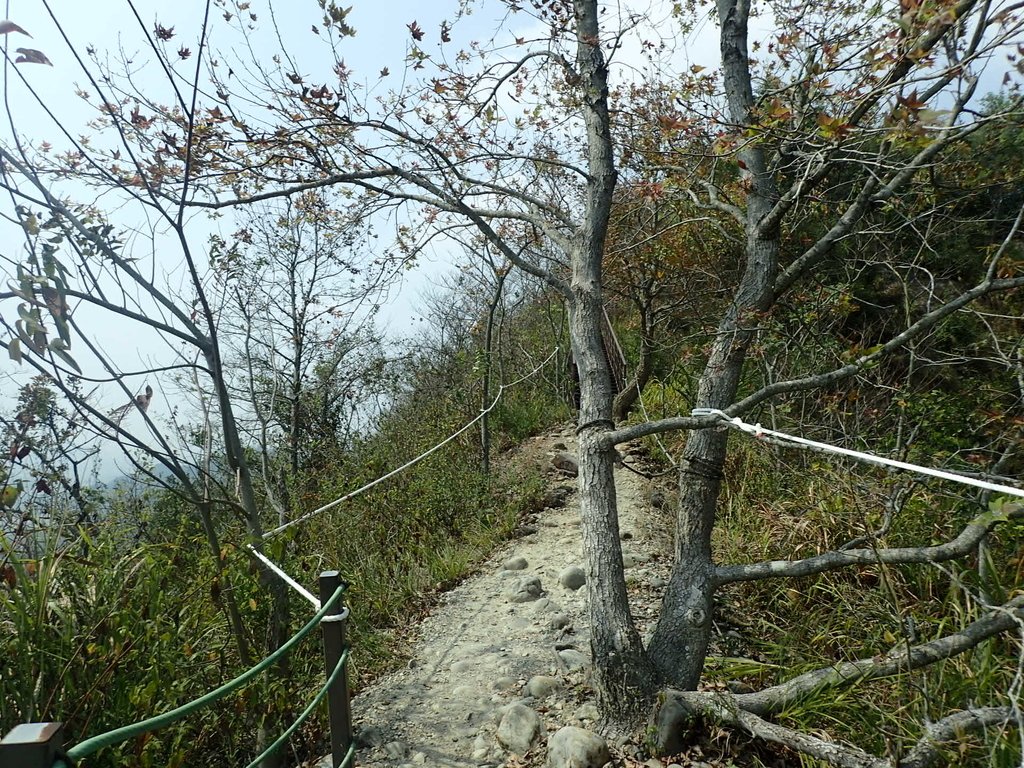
(164, 33)
(416, 31)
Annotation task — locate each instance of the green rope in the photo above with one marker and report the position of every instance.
(339, 667)
(118, 735)
(348, 756)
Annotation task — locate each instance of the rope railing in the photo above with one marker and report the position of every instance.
(398, 470)
(783, 439)
(302, 717)
(42, 739)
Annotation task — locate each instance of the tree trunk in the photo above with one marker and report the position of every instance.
(623, 674)
(627, 397)
(485, 386)
(681, 638)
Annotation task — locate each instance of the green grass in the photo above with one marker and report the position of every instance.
(785, 505)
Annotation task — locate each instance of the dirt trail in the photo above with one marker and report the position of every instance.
(497, 639)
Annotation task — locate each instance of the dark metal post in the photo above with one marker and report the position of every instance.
(334, 645)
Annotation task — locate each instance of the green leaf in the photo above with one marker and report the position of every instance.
(14, 350)
(67, 359)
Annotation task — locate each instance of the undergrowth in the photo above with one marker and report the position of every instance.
(97, 633)
(783, 504)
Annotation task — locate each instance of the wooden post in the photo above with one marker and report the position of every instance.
(334, 645)
(32, 745)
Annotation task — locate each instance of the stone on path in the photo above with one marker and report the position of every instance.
(369, 736)
(572, 577)
(559, 621)
(515, 564)
(631, 559)
(502, 683)
(396, 750)
(573, 659)
(518, 728)
(525, 590)
(557, 497)
(542, 686)
(544, 605)
(566, 462)
(572, 747)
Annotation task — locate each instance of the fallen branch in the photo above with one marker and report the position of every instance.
(722, 708)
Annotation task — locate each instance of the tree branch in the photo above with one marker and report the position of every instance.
(967, 540)
(847, 673)
(924, 323)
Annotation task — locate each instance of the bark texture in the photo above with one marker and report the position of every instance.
(681, 638)
(624, 676)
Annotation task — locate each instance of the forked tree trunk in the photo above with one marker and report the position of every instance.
(681, 638)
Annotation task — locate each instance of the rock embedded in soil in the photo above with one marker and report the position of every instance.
(572, 747)
(559, 621)
(515, 564)
(557, 497)
(502, 684)
(396, 750)
(369, 736)
(573, 659)
(542, 606)
(542, 686)
(632, 559)
(518, 728)
(525, 590)
(566, 462)
(572, 577)
(588, 711)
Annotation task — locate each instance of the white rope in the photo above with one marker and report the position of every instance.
(392, 473)
(276, 569)
(758, 431)
(284, 576)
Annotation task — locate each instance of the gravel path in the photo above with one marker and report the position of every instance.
(502, 660)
